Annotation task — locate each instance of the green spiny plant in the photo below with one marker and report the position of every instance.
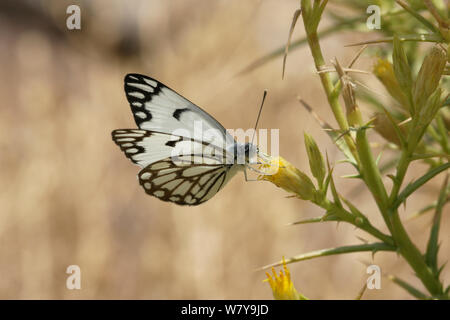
(414, 123)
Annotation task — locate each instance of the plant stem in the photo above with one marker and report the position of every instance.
(327, 84)
(368, 168)
(352, 219)
(406, 247)
(402, 166)
(414, 257)
(372, 176)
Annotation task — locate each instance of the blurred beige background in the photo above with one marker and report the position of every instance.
(69, 196)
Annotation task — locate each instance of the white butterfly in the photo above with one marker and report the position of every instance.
(162, 116)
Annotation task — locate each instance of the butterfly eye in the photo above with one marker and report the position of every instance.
(250, 153)
(248, 150)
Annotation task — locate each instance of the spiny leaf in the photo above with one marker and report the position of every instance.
(361, 292)
(377, 160)
(291, 31)
(441, 268)
(352, 176)
(423, 210)
(416, 15)
(407, 37)
(362, 239)
(433, 245)
(353, 209)
(334, 192)
(297, 44)
(377, 246)
(326, 217)
(418, 183)
(429, 155)
(412, 290)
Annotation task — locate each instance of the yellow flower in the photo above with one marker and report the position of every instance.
(288, 177)
(282, 286)
(384, 71)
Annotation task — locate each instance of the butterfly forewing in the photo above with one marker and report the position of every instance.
(158, 108)
(144, 147)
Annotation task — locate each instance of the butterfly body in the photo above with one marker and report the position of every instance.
(187, 156)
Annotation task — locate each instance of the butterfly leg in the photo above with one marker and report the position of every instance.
(264, 173)
(247, 178)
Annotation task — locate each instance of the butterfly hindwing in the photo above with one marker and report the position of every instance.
(183, 183)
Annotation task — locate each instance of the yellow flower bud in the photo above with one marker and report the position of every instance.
(401, 67)
(446, 117)
(289, 178)
(429, 76)
(386, 129)
(316, 162)
(354, 116)
(430, 109)
(384, 71)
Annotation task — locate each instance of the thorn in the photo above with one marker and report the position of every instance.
(362, 239)
(358, 54)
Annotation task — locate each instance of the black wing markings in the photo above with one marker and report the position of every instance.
(127, 140)
(139, 89)
(165, 168)
(177, 113)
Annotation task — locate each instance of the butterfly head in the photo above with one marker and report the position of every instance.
(251, 151)
(245, 153)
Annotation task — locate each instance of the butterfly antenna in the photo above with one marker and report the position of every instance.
(259, 113)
